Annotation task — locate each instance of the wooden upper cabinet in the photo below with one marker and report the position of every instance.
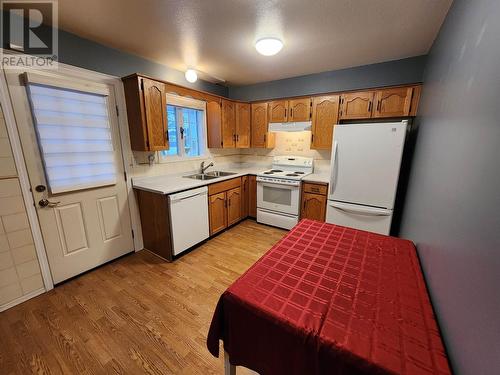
(147, 113)
(415, 99)
(393, 102)
(214, 122)
(313, 206)
(325, 110)
(299, 109)
(356, 105)
(155, 104)
(228, 124)
(290, 110)
(233, 206)
(217, 212)
(243, 125)
(261, 138)
(278, 111)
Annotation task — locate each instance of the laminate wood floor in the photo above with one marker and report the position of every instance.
(135, 315)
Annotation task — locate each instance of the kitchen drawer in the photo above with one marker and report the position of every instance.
(224, 185)
(315, 188)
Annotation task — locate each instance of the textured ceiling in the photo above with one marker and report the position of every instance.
(218, 36)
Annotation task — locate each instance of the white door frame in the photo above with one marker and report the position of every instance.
(127, 157)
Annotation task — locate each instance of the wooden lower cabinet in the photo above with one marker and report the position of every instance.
(225, 200)
(217, 208)
(233, 198)
(252, 196)
(313, 205)
(244, 196)
(155, 222)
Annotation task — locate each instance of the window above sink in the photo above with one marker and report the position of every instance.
(186, 129)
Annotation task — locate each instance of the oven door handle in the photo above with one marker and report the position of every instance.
(273, 184)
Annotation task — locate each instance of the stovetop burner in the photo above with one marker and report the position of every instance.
(272, 171)
(287, 168)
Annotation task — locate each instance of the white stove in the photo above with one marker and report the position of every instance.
(278, 191)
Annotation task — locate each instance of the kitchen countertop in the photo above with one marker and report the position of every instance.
(168, 184)
(323, 177)
(173, 183)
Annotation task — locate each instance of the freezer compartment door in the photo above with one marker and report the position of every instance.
(365, 163)
(371, 219)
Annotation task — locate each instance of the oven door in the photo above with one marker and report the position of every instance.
(278, 197)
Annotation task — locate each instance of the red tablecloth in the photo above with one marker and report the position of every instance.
(328, 299)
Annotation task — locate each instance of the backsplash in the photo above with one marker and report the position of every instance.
(287, 143)
(140, 165)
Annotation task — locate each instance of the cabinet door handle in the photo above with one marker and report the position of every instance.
(229, 202)
(166, 136)
(378, 106)
(369, 106)
(291, 113)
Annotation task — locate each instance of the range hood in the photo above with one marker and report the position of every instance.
(297, 126)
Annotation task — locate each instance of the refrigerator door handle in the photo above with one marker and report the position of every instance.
(363, 210)
(333, 167)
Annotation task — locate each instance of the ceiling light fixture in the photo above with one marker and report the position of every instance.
(191, 75)
(268, 46)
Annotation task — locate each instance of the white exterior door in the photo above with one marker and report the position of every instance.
(76, 171)
(365, 165)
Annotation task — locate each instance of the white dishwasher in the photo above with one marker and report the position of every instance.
(188, 218)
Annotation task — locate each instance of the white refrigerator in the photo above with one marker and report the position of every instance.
(365, 164)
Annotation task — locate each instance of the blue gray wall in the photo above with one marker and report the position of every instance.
(452, 208)
(389, 73)
(84, 53)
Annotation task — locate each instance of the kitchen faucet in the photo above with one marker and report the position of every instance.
(203, 168)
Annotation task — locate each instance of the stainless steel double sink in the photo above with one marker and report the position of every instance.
(209, 175)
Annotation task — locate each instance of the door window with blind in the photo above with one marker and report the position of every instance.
(186, 128)
(74, 137)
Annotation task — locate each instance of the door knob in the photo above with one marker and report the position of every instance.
(40, 188)
(46, 203)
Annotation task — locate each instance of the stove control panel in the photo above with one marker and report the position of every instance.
(281, 181)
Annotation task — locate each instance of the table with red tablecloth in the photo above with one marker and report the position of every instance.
(328, 299)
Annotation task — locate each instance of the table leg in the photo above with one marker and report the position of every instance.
(229, 369)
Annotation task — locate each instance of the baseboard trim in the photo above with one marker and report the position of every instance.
(22, 299)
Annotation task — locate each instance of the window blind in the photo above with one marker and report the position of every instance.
(74, 137)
